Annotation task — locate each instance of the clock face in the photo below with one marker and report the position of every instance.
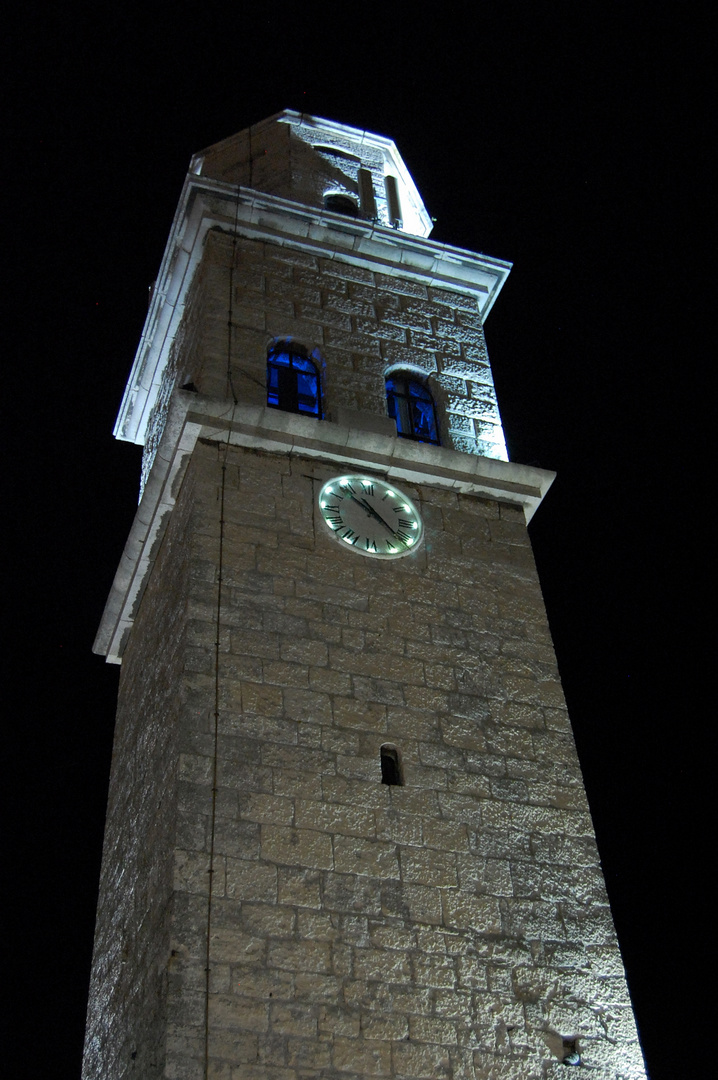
(370, 516)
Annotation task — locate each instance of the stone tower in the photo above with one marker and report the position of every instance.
(347, 835)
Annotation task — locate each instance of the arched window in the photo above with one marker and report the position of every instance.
(412, 406)
(341, 204)
(391, 771)
(292, 380)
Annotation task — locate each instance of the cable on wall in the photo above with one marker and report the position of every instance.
(230, 304)
(213, 818)
(222, 451)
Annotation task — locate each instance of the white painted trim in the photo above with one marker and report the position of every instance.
(207, 204)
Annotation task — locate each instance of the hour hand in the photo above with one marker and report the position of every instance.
(360, 502)
(365, 506)
(370, 509)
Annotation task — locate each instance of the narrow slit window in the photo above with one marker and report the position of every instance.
(571, 1052)
(292, 381)
(391, 771)
(412, 406)
(367, 201)
(393, 202)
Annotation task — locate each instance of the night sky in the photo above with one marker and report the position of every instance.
(569, 139)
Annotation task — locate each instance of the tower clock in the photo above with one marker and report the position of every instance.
(347, 835)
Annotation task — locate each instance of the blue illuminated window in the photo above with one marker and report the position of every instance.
(292, 381)
(412, 406)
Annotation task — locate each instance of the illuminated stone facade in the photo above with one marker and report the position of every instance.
(455, 925)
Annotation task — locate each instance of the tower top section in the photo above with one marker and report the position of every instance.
(328, 193)
(323, 165)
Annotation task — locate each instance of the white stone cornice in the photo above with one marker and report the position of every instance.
(360, 441)
(211, 204)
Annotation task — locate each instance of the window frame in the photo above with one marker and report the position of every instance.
(409, 410)
(289, 397)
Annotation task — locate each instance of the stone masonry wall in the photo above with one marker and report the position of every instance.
(127, 1015)
(362, 322)
(294, 162)
(455, 927)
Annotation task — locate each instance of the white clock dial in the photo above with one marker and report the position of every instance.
(370, 516)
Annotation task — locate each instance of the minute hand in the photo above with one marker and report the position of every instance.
(374, 514)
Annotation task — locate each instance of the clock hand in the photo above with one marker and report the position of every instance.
(369, 509)
(360, 503)
(399, 536)
(373, 512)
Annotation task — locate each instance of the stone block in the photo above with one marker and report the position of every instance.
(295, 782)
(268, 920)
(385, 1028)
(336, 268)
(338, 1021)
(332, 682)
(191, 872)
(341, 820)
(445, 836)
(296, 847)
(279, 673)
(423, 904)
(292, 1020)
(425, 867)
(356, 713)
(420, 1060)
(231, 1013)
(341, 743)
(393, 966)
(349, 894)
(370, 858)
(361, 1057)
(299, 887)
(300, 956)
(398, 828)
(250, 880)
(346, 304)
(466, 912)
(308, 1055)
(268, 809)
(346, 790)
(424, 1029)
(307, 705)
(316, 926)
(299, 650)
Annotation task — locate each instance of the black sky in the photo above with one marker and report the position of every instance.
(569, 139)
